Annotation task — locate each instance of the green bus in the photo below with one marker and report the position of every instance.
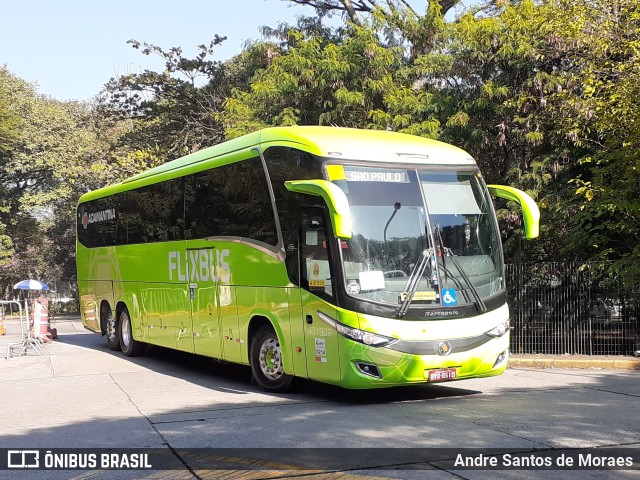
(358, 258)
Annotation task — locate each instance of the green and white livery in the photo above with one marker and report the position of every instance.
(358, 258)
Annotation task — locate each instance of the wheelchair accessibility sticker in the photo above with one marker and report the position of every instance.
(449, 298)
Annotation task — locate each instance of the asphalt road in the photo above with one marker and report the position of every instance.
(79, 394)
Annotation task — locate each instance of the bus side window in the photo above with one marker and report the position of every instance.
(231, 201)
(101, 233)
(204, 201)
(315, 254)
(285, 163)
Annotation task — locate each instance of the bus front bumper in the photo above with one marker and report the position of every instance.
(372, 367)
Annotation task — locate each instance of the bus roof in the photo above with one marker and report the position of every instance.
(369, 145)
(335, 142)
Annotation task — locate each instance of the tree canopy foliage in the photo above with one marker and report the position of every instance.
(45, 144)
(544, 94)
(173, 110)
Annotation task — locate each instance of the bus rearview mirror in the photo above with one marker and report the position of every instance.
(336, 200)
(530, 211)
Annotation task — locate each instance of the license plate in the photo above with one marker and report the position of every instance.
(443, 374)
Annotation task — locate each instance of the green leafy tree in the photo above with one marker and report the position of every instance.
(9, 131)
(313, 82)
(352, 8)
(600, 111)
(47, 146)
(173, 111)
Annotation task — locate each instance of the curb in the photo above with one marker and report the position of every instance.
(575, 361)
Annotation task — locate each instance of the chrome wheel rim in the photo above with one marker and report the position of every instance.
(126, 330)
(271, 359)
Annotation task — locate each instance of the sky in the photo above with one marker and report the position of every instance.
(71, 48)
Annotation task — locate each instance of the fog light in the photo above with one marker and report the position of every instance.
(368, 369)
(502, 358)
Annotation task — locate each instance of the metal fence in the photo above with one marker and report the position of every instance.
(572, 308)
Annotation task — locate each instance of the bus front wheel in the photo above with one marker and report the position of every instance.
(129, 346)
(266, 361)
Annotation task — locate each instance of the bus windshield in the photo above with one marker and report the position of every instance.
(427, 237)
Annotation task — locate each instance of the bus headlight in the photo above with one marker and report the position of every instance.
(500, 330)
(358, 335)
(361, 336)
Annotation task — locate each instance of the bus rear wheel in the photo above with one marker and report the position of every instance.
(129, 346)
(266, 361)
(111, 332)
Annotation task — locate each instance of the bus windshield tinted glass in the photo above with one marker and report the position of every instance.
(398, 214)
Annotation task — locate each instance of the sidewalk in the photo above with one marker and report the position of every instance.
(65, 325)
(596, 362)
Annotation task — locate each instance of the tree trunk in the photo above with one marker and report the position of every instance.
(348, 5)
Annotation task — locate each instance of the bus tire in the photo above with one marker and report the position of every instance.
(129, 346)
(111, 331)
(266, 361)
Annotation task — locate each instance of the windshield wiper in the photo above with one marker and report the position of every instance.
(414, 281)
(480, 305)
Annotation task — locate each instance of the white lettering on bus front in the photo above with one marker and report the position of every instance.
(199, 265)
(380, 176)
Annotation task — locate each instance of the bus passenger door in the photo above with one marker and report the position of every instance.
(205, 324)
(321, 340)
